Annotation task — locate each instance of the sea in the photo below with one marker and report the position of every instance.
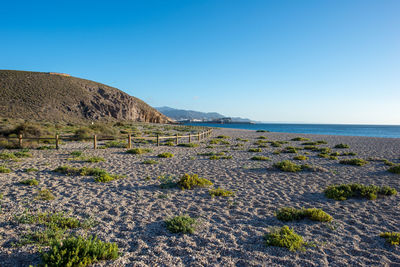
(387, 131)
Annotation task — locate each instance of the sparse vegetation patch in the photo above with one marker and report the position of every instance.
(181, 224)
(392, 238)
(345, 191)
(355, 162)
(287, 166)
(291, 214)
(190, 181)
(220, 192)
(285, 237)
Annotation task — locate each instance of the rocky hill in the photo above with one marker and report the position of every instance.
(60, 97)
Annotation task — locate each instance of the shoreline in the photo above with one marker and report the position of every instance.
(132, 211)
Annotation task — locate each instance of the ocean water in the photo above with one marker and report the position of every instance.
(388, 131)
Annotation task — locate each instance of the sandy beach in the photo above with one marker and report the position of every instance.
(131, 211)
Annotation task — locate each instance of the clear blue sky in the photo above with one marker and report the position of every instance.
(333, 61)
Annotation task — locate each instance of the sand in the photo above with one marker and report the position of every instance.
(132, 211)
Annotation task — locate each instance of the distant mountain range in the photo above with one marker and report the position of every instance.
(182, 114)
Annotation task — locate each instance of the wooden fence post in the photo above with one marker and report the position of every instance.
(176, 141)
(129, 141)
(94, 142)
(20, 140)
(57, 142)
(158, 140)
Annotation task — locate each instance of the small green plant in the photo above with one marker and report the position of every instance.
(169, 143)
(345, 191)
(150, 162)
(138, 151)
(29, 182)
(300, 157)
(289, 149)
(115, 144)
(260, 158)
(395, 169)
(300, 139)
(94, 159)
(355, 162)
(291, 214)
(22, 154)
(254, 150)
(7, 156)
(188, 181)
(392, 238)
(262, 137)
(181, 224)
(76, 154)
(4, 169)
(44, 194)
(287, 166)
(348, 154)
(31, 170)
(188, 145)
(167, 181)
(220, 192)
(79, 251)
(285, 237)
(342, 146)
(222, 137)
(165, 155)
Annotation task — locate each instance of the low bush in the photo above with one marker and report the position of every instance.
(94, 159)
(220, 192)
(44, 194)
(22, 154)
(262, 137)
(291, 214)
(348, 154)
(4, 169)
(300, 157)
(289, 149)
(165, 155)
(79, 251)
(29, 182)
(254, 150)
(139, 151)
(287, 166)
(188, 181)
(167, 181)
(115, 144)
(150, 162)
(342, 146)
(181, 224)
(188, 145)
(260, 158)
(285, 237)
(355, 162)
(7, 156)
(395, 169)
(345, 191)
(215, 157)
(98, 174)
(76, 154)
(222, 137)
(300, 139)
(392, 238)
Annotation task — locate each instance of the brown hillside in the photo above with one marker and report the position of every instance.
(59, 97)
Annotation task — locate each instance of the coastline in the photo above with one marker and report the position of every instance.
(131, 212)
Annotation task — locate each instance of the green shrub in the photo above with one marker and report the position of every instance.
(31, 170)
(309, 144)
(22, 154)
(150, 162)
(42, 237)
(188, 145)
(220, 192)
(335, 154)
(4, 169)
(139, 151)
(300, 157)
(76, 154)
(56, 220)
(355, 162)
(254, 150)
(165, 155)
(310, 148)
(324, 150)
(7, 156)
(222, 137)
(188, 181)
(262, 137)
(67, 170)
(275, 144)
(212, 154)
(94, 159)
(345, 191)
(99, 174)
(395, 169)
(116, 144)
(392, 238)
(169, 143)
(44, 194)
(300, 139)
(79, 251)
(242, 140)
(289, 149)
(261, 158)
(285, 237)
(181, 224)
(292, 214)
(348, 154)
(287, 166)
(30, 182)
(342, 146)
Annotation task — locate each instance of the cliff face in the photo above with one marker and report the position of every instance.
(56, 97)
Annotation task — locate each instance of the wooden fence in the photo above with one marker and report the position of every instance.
(158, 139)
